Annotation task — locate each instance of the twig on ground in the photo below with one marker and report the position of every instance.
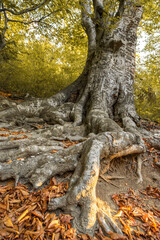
(139, 169)
(106, 180)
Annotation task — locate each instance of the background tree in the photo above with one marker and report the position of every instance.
(65, 39)
(147, 89)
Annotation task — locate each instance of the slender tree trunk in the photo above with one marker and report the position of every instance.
(2, 42)
(2, 33)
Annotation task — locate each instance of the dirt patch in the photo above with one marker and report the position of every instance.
(124, 177)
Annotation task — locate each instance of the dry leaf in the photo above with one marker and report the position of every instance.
(116, 236)
(53, 223)
(53, 151)
(7, 221)
(2, 206)
(57, 236)
(38, 214)
(23, 215)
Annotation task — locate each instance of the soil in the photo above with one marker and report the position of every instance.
(122, 174)
(126, 168)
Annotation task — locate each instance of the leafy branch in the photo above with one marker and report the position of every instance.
(24, 10)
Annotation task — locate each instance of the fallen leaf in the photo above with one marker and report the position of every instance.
(116, 236)
(53, 223)
(7, 221)
(23, 215)
(10, 161)
(57, 236)
(2, 206)
(38, 214)
(53, 151)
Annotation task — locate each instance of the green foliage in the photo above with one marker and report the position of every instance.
(147, 83)
(48, 55)
(147, 87)
(41, 68)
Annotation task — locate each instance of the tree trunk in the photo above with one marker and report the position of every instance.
(108, 93)
(3, 30)
(2, 42)
(100, 102)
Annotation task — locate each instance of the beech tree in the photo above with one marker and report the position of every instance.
(97, 110)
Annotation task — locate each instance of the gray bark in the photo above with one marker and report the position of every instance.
(100, 101)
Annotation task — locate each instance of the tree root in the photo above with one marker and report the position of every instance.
(106, 180)
(36, 164)
(80, 199)
(38, 168)
(107, 223)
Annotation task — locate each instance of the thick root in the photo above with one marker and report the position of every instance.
(80, 199)
(107, 223)
(98, 121)
(35, 163)
(32, 161)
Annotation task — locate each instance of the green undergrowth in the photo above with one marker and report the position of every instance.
(40, 69)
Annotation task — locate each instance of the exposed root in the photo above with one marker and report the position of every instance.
(80, 199)
(39, 168)
(58, 115)
(36, 164)
(105, 165)
(98, 121)
(107, 223)
(107, 180)
(154, 142)
(135, 149)
(157, 164)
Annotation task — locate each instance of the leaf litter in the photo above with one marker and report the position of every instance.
(138, 220)
(24, 215)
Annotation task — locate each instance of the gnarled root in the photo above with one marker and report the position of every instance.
(80, 199)
(38, 165)
(38, 168)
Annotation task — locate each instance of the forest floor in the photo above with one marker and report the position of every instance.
(135, 206)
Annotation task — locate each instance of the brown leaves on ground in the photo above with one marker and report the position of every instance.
(152, 192)
(111, 236)
(13, 133)
(69, 143)
(4, 94)
(138, 222)
(12, 96)
(66, 145)
(23, 214)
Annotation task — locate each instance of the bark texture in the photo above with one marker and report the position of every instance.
(97, 110)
